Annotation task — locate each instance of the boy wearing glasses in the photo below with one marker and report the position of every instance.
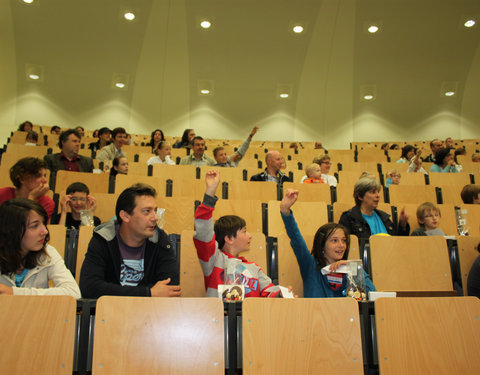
(428, 216)
(81, 204)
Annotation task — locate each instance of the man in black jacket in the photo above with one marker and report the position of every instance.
(274, 161)
(68, 159)
(130, 255)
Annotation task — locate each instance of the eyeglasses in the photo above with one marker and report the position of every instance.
(75, 199)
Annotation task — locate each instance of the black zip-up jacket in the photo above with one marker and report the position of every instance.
(357, 225)
(100, 273)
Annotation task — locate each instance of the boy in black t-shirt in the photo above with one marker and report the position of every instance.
(81, 204)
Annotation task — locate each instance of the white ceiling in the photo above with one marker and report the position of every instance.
(247, 53)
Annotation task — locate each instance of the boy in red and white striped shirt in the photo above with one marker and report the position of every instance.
(227, 239)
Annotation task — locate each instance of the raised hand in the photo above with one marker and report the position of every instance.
(253, 132)
(289, 198)
(212, 179)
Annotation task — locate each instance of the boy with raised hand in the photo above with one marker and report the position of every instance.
(228, 238)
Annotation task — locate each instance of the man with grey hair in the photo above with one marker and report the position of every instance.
(274, 161)
(364, 220)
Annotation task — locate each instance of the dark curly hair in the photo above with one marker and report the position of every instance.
(320, 239)
(13, 223)
(28, 166)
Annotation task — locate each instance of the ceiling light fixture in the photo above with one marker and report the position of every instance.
(368, 97)
(120, 85)
(284, 95)
(373, 29)
(205, 24)
(205, 92)
(450, 93)
(33, 76)
(298, 29)
(129, 16)
(469, 23)
(28, 1)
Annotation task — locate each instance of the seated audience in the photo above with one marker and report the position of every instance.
(435, 145)
(319, 146)
(394, 147)
(314, 174)
(104, 137)
(156, 138)
(385, 147)
(198, 158)
(224, 240)
(119, 166)
(444, 162)
(470, 193)
(449, 143)
(55, 130)
(331, 245)
(476, 158)
(365, 220)
(29, 176)
(27, 262)
(129, 141)
(114, 149)
(393, 177)
(69, 159)
(473, 280)
(25, 126)
(274, 161)
(163, 152)
(95, 133)
(80, 130)
(129, 255)
(428, 216)
(221, 158)
(325, 163)
(81, 204)
(31, 139)
(416, 163)
(459, 151)
(408, 152)
(187, 139)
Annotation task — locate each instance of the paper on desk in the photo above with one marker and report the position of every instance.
(350, 267)
(285, 292)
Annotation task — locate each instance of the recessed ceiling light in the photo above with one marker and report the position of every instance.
(120, 85)
(33, 76)
(297, 29)
(469, 23)
(368, 97)
(28, 1)
(129, 16)
(373, 29)
(450, 93)
(205, 24)
(284, 96)
(205, 92)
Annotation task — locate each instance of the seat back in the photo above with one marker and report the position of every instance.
(38, 334)
(143, 335)
(97, 183)
(309, 215)
(85, 234)
(410, 263)
(310, 192)
(467, 253)
(281, 336)
(58, 235)
(428, 335)
(412, 194)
